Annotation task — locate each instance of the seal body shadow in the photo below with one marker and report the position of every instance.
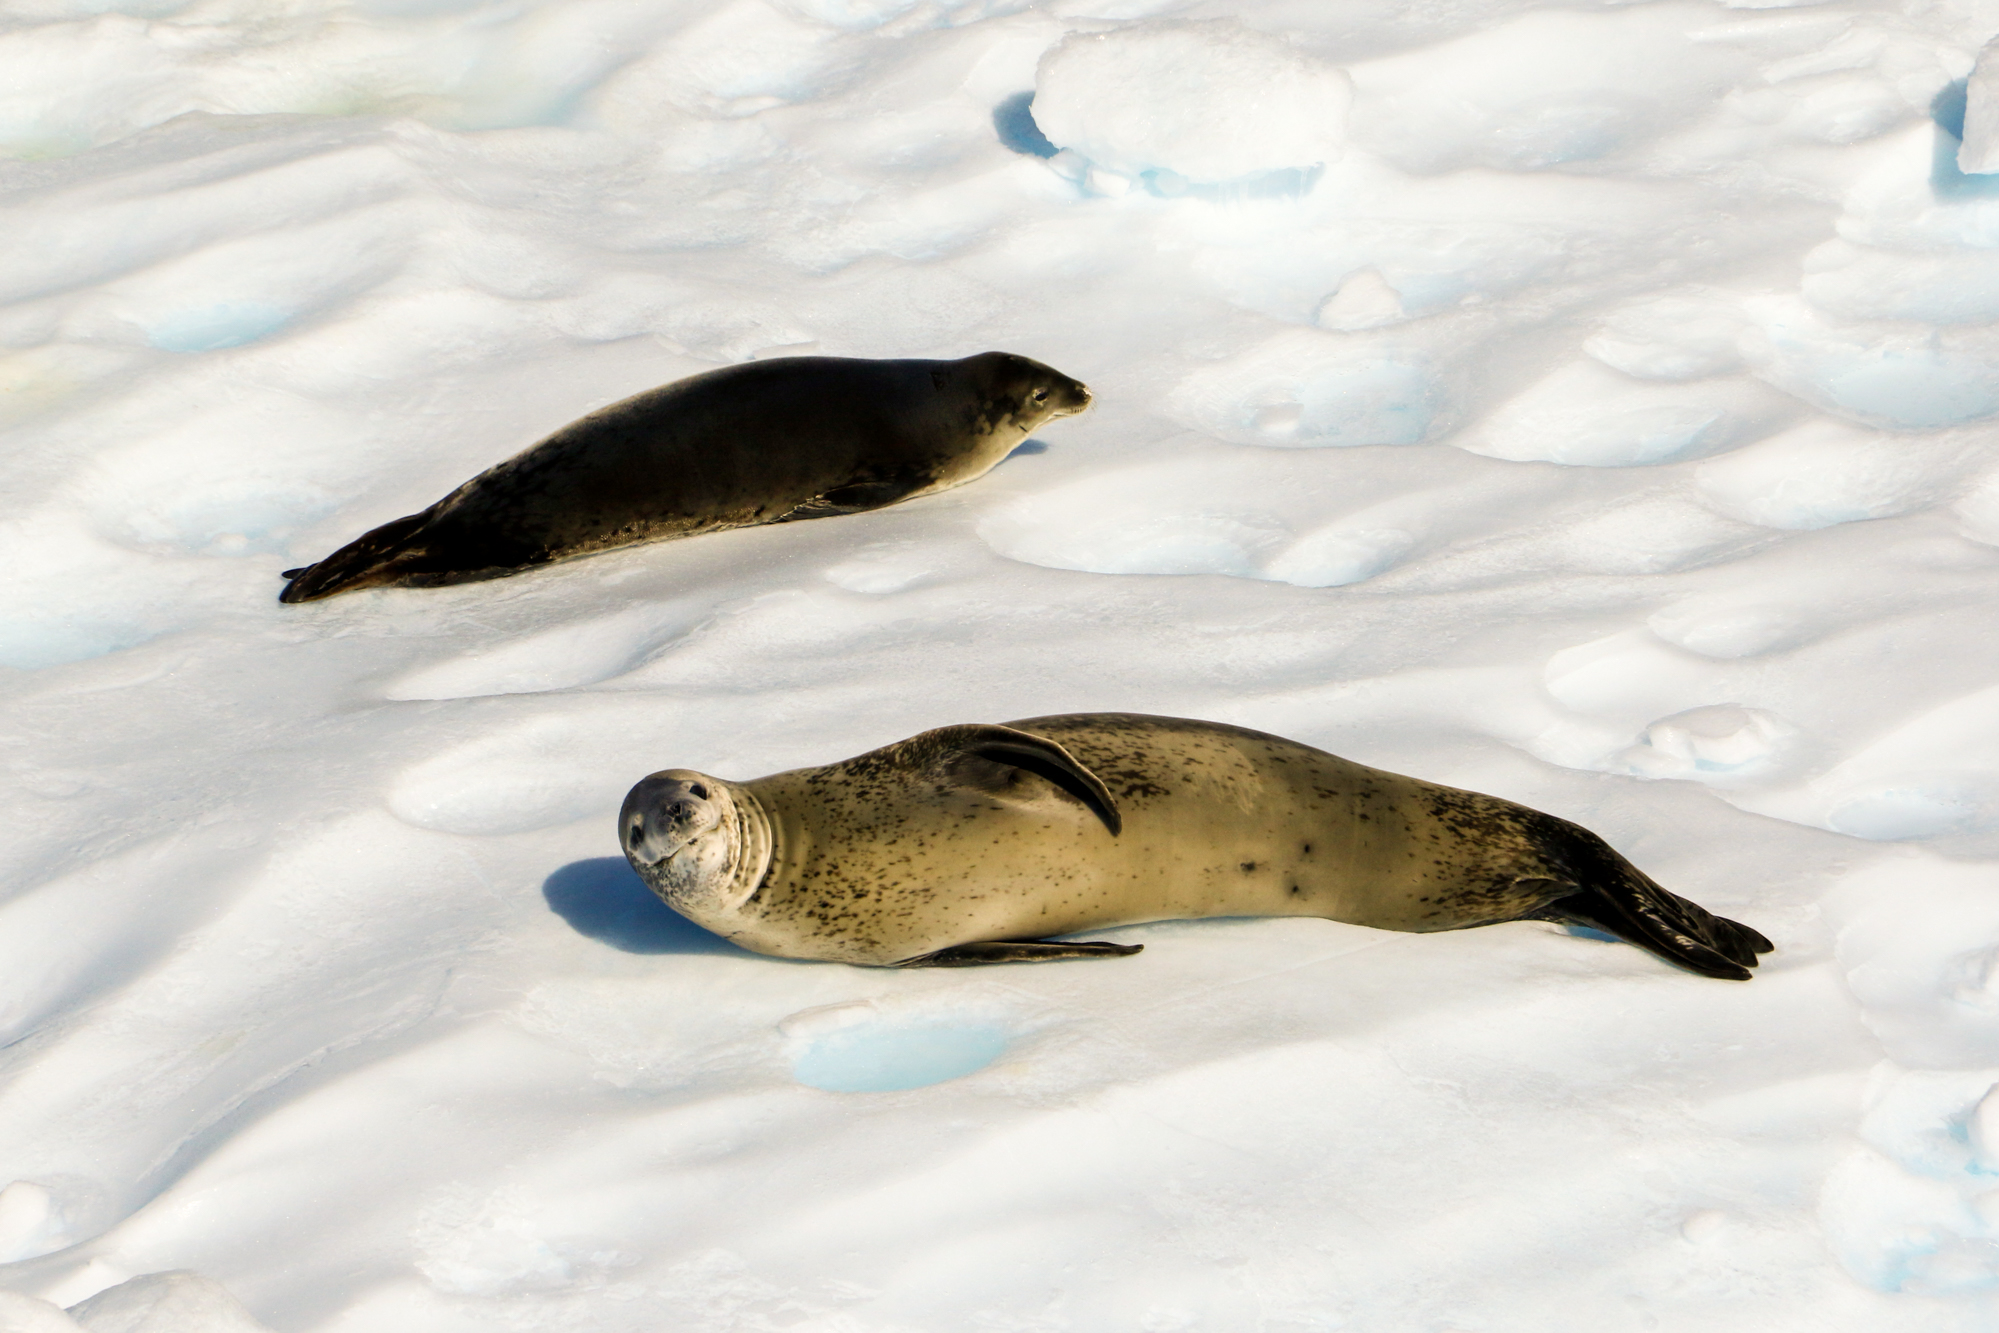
(977, 844)
(765, 442)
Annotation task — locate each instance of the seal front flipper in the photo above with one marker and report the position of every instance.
(858, 498)
(981, 756)
(1019, 951)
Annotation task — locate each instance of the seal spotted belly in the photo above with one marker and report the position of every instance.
(977, 844)
(766, 442)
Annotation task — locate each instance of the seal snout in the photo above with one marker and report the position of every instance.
(1068, 398)
(665, 813)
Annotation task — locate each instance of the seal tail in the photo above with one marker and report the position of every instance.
(375, 557)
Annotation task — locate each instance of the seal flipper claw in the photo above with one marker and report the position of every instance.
(1018, 951)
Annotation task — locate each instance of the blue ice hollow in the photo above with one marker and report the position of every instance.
(891, 1057)
(211, 328)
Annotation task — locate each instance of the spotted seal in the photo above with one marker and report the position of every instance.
(979, 843)
(765, 442)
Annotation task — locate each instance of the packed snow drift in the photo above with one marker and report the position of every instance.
(1593, 405)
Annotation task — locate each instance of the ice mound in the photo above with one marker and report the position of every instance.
(1587, 415)
(24, 1314)
(1306, 389)
(1826, 472)
(1957, 286)
(1209, 102)
(1727, 625)
(507, 779)
(580, 653)
(1540, 90)
(1898, 376)
(860, 15)
(1673, 336)
(175, 1302)
(1934, 775)
(1190, 517)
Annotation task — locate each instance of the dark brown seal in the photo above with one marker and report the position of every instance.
(766, 442)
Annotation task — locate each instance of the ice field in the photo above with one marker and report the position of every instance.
(1597, 406)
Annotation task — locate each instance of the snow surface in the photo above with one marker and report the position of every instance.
(1592, 405)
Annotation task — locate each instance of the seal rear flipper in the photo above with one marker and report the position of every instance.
(361, 563)
(416, 551)
(1019, 951)
(1639, 912)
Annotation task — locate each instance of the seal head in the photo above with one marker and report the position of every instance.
(700, 843)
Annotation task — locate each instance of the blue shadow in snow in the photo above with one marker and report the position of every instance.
(605, 899)
(1947, 110)
(1026, 448)
(1013, 121)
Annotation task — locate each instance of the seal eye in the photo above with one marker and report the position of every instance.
(1041, 395)
(697, 791)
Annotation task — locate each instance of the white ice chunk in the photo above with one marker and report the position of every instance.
(173, 1302)
(1980, 150)
(1211, 101)
(1365, 300)
(1717, 743)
